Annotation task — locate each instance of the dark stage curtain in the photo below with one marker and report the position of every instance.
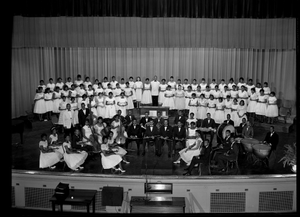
(158, 8)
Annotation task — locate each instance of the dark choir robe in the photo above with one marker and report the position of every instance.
(148, 133)
(136, 132)
(165, 132)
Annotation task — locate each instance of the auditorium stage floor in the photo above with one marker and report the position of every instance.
(26, 156)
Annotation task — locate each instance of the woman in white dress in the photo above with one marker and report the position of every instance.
(234, 92)
(267, 90)
(190, 120)
(234, 115)
(169, 99)
(74, 108)
(138, 86)
(129, 95)
(261, 106)
(179, 98)
(73, 158)
(39, 104)
(202, 108)
(48, 155)
(227, 104)
(241, 112)
(98, 127)
(65, 92)
(194, 85)
(203, 85)
(172, 83)
(100, 101)
(198, 92)
(51, 85)
(193, 103)
(252, 103)
(62, 108)
(193, 148)
(243, 95)
(110, 104)
(109, 159)
(115, 126)
(80, 92)
(116, 148)
(48, 102)
(93, 106)
(122, 104)
(272, 108)
(95, 85)
(188, 96)
(87, 136)
(59, 83)
(162, 89)
(86, 83)
(147, 98)
(99, 89)
(131, 85)
(220, 114)
(207, 92)
(53, 141)
(211, 106)
(226, 92)
(90, 91)
(230, 84)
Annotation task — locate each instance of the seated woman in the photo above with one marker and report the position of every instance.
(192, 150)
(73, 158)
(77, 143)
(53, 140)
(109, 159)
(48, 155)
(117, 149)
(115, 126)
(88, 137)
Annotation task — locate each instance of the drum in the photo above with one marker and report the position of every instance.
(261, 150)
(221, 131)
(248, 144)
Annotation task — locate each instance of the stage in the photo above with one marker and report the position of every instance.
(26, 156)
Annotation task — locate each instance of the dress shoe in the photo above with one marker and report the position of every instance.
(176, 162)
(187, 174)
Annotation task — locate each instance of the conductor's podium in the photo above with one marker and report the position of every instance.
(153, 111)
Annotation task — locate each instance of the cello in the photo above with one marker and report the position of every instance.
(121, 139)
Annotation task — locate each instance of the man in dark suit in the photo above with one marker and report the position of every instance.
(272, 139)
(159, 120)
(83, 113)
(230, 154)
(129, 118)
(228, 120)
(166, 135)
(180, 117)
(208, 123)
(203, 158)
(179, 135)
(150, 135)
(144, 120)
(134, 133)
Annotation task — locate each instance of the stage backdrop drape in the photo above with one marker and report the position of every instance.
(29, 65)
(139, 32)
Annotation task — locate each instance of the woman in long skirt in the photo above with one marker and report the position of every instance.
(100, 101)
(74, 108)
(122, 104)
(193, 149)
(227, 104)
(220, 114)
(93, 107)
(48, 155)
(131, 85)
(62, 108)
(211, 106)
(179, 98)
(138, 86)
(241, 112)
(252, 103)
(272, 109)
(48, 102)
(261, 106)
(193, 103)
(73, 158)
(202, 107)
(162, 89)
(110, 104)
(39, 104)
(147, 98)
(234, 115)
(129, 95)
(169, 99)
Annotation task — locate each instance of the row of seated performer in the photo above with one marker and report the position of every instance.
(107, 137)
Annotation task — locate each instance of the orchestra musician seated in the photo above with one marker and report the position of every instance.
(202, 158)
(247, 131)
(134, 133)
(121, 117)
(78, 144)
(116, 148)
(166, 136)
(180, 117)
(159, 120)
(145, 121)
(229, 120)
(150, 135)
(239, 129)
(230, 154)
(179, 135)
(129, 118)
(208, 127)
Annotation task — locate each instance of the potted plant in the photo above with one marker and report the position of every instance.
(290, 156)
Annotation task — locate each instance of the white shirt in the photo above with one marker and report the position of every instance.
(154, 88)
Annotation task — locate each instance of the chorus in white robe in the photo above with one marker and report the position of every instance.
(138, 86)
(272, 108)
(169, 100)
(147, 98)
(161, 95)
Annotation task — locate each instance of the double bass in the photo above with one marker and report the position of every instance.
(121, 139)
